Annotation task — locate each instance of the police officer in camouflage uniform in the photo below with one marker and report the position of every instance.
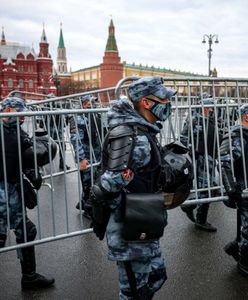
(133, 167)
(10, 197)
(56, 125)
(202, 140)
(234, 184)
(85, 131)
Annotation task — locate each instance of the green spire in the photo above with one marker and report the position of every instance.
(111, 43)
(61, 39)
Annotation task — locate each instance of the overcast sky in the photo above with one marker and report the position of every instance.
(162, 33)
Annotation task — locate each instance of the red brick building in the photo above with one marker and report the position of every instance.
(22, 69)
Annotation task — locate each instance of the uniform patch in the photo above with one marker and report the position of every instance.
(127, 175)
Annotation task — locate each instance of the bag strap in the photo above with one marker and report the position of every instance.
(131, 280)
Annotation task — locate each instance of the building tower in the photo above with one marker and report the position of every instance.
(111, 69)
(44, 45)
(61, 55)
(61, 76)
(45, 67)
(3, 41)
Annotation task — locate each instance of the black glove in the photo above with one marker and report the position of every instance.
(35, 180)
(100, 219)
(234, 198)
(100, 212)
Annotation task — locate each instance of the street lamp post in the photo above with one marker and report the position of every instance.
(210, 39)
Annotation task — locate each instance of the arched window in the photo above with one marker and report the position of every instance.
(21, 84)
(30, 84)
(46, 84)
(10, 83)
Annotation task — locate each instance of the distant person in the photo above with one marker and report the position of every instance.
(10, 197)
(204, 147)
(57, 124)
(85, 135)
(235, 152)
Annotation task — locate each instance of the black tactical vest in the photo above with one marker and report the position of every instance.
(10, 157)
(238, 166)
(145, 179)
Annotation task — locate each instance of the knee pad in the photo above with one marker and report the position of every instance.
(2, 240)
(30, 229)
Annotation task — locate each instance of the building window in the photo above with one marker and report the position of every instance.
(30, 69)
(10, 83)
(81, 77)
(46, 84)
(94, 75)
(20, 68)
(87, 76)
(30, 84)
(21, 84)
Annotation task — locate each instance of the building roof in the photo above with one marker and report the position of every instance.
(111, 43)
(86, 69)
(61, 39)
(161, 70)
(43, 35)
(11, 51)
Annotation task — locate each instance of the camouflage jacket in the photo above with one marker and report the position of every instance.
(123, 113)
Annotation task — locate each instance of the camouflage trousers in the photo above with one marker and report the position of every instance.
(12, 213)
(12, 216)
(149, 272)
(243, 244)
(205, 174)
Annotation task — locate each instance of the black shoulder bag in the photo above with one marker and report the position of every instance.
(144, 216)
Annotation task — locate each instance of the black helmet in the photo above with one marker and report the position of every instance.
(177, 172)
(43, 146)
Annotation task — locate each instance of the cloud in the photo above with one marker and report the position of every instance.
(165, 33)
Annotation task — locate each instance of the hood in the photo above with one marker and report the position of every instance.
(122, 112)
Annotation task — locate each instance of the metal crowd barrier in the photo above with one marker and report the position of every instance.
(55, 215)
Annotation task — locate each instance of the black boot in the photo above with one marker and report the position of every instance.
(201, 219)
(232, 249)
(143, 293)
(82, 202)
(31, 279)
(189, 210)
(205, 227)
